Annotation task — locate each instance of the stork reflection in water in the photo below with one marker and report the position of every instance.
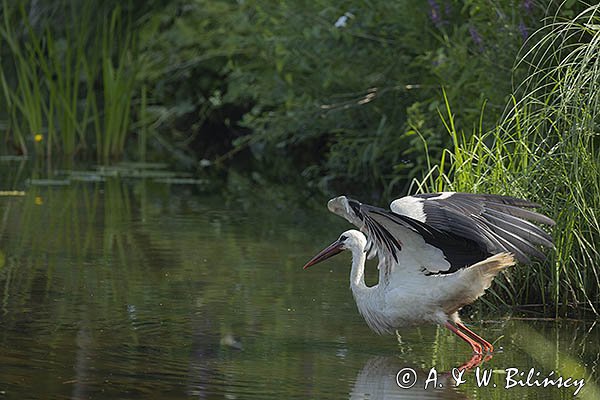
(437, 253)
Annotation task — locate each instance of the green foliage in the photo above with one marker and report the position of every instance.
(344, 101)
(186, 49)
(344, 94)
(341, 93)
(545, 149)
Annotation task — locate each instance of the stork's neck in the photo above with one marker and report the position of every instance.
(368, 299)
(357, 274)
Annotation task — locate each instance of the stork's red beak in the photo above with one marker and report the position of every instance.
(333, 249)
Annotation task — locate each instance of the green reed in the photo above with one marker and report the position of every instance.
(23, 97)
(51, 78)
(118, 87)
(546, 148)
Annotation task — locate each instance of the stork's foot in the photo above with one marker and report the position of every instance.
(475, 360)
(486, 347)
(482, 349)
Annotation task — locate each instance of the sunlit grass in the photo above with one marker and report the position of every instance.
(544, 149)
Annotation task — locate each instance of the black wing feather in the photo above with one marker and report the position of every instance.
(497, 223)
(466, 227)
(458, 251)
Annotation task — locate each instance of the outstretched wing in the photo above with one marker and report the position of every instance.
(496, 223)
(441, 233)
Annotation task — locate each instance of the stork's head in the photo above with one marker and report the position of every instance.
(349, 240)
(346, 208)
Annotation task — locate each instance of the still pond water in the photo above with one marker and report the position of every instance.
(137, 288)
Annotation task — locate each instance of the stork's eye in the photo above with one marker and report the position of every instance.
(343, 237)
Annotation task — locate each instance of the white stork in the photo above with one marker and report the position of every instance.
(437, 253)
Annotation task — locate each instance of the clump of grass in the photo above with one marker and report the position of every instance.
(118, 87)
(51, 78)
(22, 98)
(545, 148)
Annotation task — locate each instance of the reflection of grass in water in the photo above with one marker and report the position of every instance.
(56, 224)
(549, 356)
(58, 215)
(117, 211)
(77, 240)
(53, 218)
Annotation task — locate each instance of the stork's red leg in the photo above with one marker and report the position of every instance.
(487, 346)
(476, 346)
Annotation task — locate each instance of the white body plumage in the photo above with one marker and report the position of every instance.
(409, 298)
